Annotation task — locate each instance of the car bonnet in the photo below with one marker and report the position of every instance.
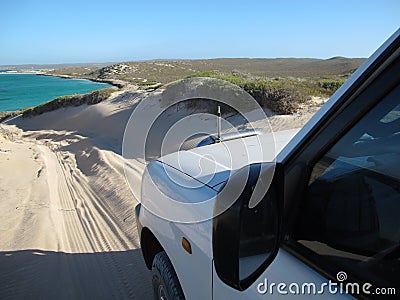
(213, 164)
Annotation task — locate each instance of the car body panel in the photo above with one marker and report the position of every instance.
(193, 270)
(167, 188)
(213, 164)
(184, 186)
(284, 269)
(173, 195)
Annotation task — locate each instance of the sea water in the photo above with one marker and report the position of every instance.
(26, 90)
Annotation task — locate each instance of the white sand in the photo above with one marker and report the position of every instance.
(67, 227)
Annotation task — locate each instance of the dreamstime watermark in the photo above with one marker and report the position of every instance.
(333, 288)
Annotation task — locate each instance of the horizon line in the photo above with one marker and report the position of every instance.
(169, 59)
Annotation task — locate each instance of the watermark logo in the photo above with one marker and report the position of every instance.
(341, 276)
(330, 287)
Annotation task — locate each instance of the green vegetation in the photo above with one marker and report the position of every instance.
(6, 114)
(140, 81)
(282, 95)
(70, 100)
(282, 84)
(151, 87)
(331, 84)
(166, 71)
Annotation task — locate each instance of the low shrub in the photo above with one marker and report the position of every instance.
(70, 100)
(331, 84)
(286, 100)
(282, 95)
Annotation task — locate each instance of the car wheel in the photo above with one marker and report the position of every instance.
(165, 282)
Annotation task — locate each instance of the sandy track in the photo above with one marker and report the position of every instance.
(69, 242)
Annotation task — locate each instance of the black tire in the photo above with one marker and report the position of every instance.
(165, 282)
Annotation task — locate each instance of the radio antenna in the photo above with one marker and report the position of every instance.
(219, 124)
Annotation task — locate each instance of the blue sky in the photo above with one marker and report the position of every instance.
(68, 31)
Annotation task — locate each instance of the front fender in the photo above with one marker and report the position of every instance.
(194, 270)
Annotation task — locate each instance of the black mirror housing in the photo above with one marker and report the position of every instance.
(245, 238)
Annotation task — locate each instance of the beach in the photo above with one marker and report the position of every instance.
(67, 213)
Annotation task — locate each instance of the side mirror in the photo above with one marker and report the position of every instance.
(246, 238)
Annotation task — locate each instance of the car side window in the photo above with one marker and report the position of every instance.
(351, 212)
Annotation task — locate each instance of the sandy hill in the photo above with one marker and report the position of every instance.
(165, 71)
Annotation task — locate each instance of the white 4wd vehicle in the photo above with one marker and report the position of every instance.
(329, 224)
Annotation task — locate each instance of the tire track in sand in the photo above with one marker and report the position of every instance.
(87, 226)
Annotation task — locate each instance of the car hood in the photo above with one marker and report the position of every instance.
(212, 165)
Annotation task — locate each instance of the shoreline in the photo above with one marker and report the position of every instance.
(5, 115)
(114, 82)
(22, 73)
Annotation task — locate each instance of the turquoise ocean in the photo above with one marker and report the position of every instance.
(26, 90)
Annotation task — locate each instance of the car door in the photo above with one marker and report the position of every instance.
(347, 225)
(342, 189)
(340, 225)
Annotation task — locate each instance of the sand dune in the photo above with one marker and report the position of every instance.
(67, 215)
(67, 227)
